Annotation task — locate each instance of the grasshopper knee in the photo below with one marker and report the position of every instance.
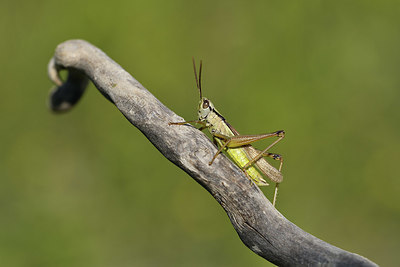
(280, 133)
(276, 157)
(273, 156)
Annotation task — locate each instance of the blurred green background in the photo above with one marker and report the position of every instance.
(87, 189)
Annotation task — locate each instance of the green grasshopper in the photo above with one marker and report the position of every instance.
(237, 146)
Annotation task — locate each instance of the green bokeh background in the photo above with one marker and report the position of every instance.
(87, 189)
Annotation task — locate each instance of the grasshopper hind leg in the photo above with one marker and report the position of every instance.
(274, 156)
(275, 194)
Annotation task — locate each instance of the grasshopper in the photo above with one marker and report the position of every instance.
(237, 146)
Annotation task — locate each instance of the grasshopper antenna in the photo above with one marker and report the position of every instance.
(201, 67)
(198, 80)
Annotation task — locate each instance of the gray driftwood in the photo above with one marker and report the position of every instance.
(259, 225)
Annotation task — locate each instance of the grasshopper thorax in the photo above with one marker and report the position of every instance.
(205, 108)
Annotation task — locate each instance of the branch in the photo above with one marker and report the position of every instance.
(259, 225)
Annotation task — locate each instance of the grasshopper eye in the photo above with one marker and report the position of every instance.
(206, 104)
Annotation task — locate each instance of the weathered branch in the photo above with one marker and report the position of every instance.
(259, 225)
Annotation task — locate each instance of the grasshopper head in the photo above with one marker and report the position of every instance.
(205, 107)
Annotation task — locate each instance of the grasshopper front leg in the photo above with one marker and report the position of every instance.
(202, 123)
